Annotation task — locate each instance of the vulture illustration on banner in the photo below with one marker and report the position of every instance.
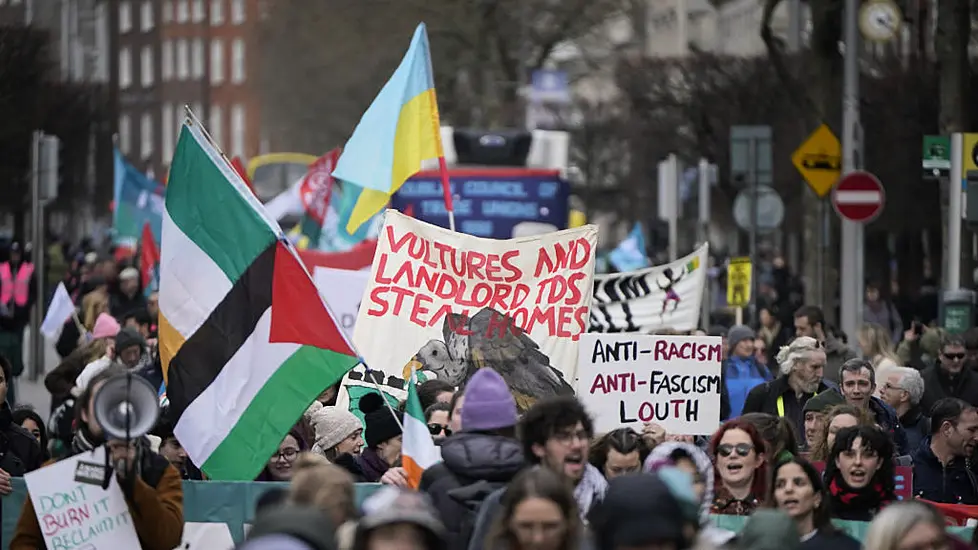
(491, 339)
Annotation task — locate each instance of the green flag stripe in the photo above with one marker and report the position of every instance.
(206, 206)
(273, 412)
(414, 401)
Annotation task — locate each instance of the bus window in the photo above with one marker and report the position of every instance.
(275, 173)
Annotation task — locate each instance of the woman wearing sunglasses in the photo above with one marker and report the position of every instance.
(437, 419)
(738, 456)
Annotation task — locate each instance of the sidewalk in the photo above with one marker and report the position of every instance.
(35, 393)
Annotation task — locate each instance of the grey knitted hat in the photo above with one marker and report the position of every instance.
(333, 425)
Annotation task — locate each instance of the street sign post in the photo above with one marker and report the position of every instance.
(936, 156)
(819, 160)
(859, 197)
(751, 166)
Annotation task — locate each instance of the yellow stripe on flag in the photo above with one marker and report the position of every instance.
(170, 342)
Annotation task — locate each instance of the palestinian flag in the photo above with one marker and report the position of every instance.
(246, 341)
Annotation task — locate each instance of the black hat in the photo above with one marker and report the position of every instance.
(637, 510)
(824, 401)
(380, 423)
(127, 338)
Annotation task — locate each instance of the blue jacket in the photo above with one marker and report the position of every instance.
(955, 483)
(886, 417)
(738, 376)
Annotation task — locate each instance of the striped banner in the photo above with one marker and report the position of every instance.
(663, 297)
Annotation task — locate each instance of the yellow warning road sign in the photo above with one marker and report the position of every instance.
(819, 160)
(738, 282)
(970, 153)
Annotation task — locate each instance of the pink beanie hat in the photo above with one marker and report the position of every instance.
(105, 327)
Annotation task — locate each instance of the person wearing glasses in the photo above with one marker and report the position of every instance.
(476, 461)
(950, 377)
(902, 389)
(739, 458)
(279, 467)
(436, 416)
(555, 433)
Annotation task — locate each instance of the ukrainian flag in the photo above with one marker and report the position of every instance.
(398, 131)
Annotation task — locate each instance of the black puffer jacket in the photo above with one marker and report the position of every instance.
(473, 466)
(20, 453)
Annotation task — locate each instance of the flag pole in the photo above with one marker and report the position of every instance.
(192, 118)
(446, 189)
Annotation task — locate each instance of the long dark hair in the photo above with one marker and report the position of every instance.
(871, 438)
(822, 515)
(536, 482)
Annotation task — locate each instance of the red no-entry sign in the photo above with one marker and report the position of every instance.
(859, 197)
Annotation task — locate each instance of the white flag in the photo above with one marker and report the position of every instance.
(60, 310)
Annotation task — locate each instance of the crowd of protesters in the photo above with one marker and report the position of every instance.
(810, 434)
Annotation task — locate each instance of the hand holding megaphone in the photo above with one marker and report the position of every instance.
(122, 456)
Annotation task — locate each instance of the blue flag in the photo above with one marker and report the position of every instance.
(630, 254)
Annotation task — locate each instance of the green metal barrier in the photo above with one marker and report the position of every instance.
(222, 507)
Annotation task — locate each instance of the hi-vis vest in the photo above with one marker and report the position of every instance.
(781, 404)
(17, 288)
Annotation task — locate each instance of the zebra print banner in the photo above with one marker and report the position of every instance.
(661, 297)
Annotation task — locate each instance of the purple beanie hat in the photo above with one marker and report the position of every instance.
(488, 405)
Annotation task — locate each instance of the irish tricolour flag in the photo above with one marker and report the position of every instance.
(245, 339)
(418, 451)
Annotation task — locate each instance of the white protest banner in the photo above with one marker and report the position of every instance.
(74, 511)
(342, 290)
(662, 297)
(449, 303)
(629, 379)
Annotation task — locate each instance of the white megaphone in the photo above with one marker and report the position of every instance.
(126, 407)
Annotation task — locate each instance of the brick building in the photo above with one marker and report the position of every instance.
(173, 53)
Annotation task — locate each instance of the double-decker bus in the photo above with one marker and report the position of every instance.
(273, 173)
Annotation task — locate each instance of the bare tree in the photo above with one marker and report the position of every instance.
(32, 99)
(323, 62)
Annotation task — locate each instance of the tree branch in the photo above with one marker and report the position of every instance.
(798, 95)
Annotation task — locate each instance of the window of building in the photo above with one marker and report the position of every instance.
(146, 16)
(183, 11)
(199, 11)
(217, 61)
(167, 15)
(125, 68)
(125, 17)
(197, 58)
(198, 108)
(237, 12)
(146, 135)
(237, 130)
(237, 61)
(167, 138)
(216, 127)
(217, 12)
(125, 137)
(183, 59)
(166, 61)
(146, 66)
